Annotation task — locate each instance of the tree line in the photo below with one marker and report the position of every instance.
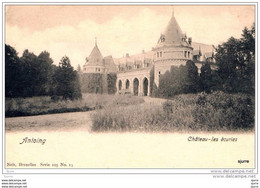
(235, 72)
(31, 75)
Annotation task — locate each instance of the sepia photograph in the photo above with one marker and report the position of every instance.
(133, 87)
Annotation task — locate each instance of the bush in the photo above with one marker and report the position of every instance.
(179, 80)
(222, 111)
(111, 83)
(167, 107)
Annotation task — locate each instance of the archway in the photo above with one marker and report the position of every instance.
(136, 86)
(127, 84)
(145, 86)
(120, 85)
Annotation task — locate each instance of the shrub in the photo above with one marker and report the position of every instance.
(111, 83)
(167, 107)
(222, 111)
(179, 80)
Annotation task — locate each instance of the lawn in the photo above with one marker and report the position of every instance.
(45, 105)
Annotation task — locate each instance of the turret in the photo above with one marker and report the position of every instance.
(173, 49)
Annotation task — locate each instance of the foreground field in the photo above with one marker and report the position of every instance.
(46, 105)
(70, 140)
(183, 113)
(80, 121)
(217, 111)
(76, 121)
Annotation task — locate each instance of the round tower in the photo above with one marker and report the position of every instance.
(173, 49)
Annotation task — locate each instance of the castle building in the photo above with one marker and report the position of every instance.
(134, 73)
(96, 63)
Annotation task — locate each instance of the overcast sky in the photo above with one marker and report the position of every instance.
(71, 30)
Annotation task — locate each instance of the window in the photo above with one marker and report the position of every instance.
(159, 73)
(160, 54)
(157, 54)
(188, 54)
(185, 54)
(163, 39)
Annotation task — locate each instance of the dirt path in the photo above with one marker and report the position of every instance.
(50, 122)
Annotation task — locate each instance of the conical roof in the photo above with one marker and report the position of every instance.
(95, 57)
(172, 33)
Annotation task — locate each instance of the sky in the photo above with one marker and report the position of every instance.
(71, 30)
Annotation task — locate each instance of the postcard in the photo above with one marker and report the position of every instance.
(131, 87)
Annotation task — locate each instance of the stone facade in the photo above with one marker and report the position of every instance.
(136, 82)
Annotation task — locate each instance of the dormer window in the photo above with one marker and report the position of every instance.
(163, 39)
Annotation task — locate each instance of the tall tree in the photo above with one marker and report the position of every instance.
(66, 80)
(79, 69)
(13, 72)
(30, 74)
(236, 63)
(248, 48)
(45, 73)
(206, 77)
(193, 79)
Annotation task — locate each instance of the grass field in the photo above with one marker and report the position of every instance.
(45, 105)
(187, 112)
(70, 139)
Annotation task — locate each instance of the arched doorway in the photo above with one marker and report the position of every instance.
(136, 86)
(145, 86)
(120, 85)
(127, 84)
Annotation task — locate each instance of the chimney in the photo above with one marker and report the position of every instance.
(143, 52)
(127, 55)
